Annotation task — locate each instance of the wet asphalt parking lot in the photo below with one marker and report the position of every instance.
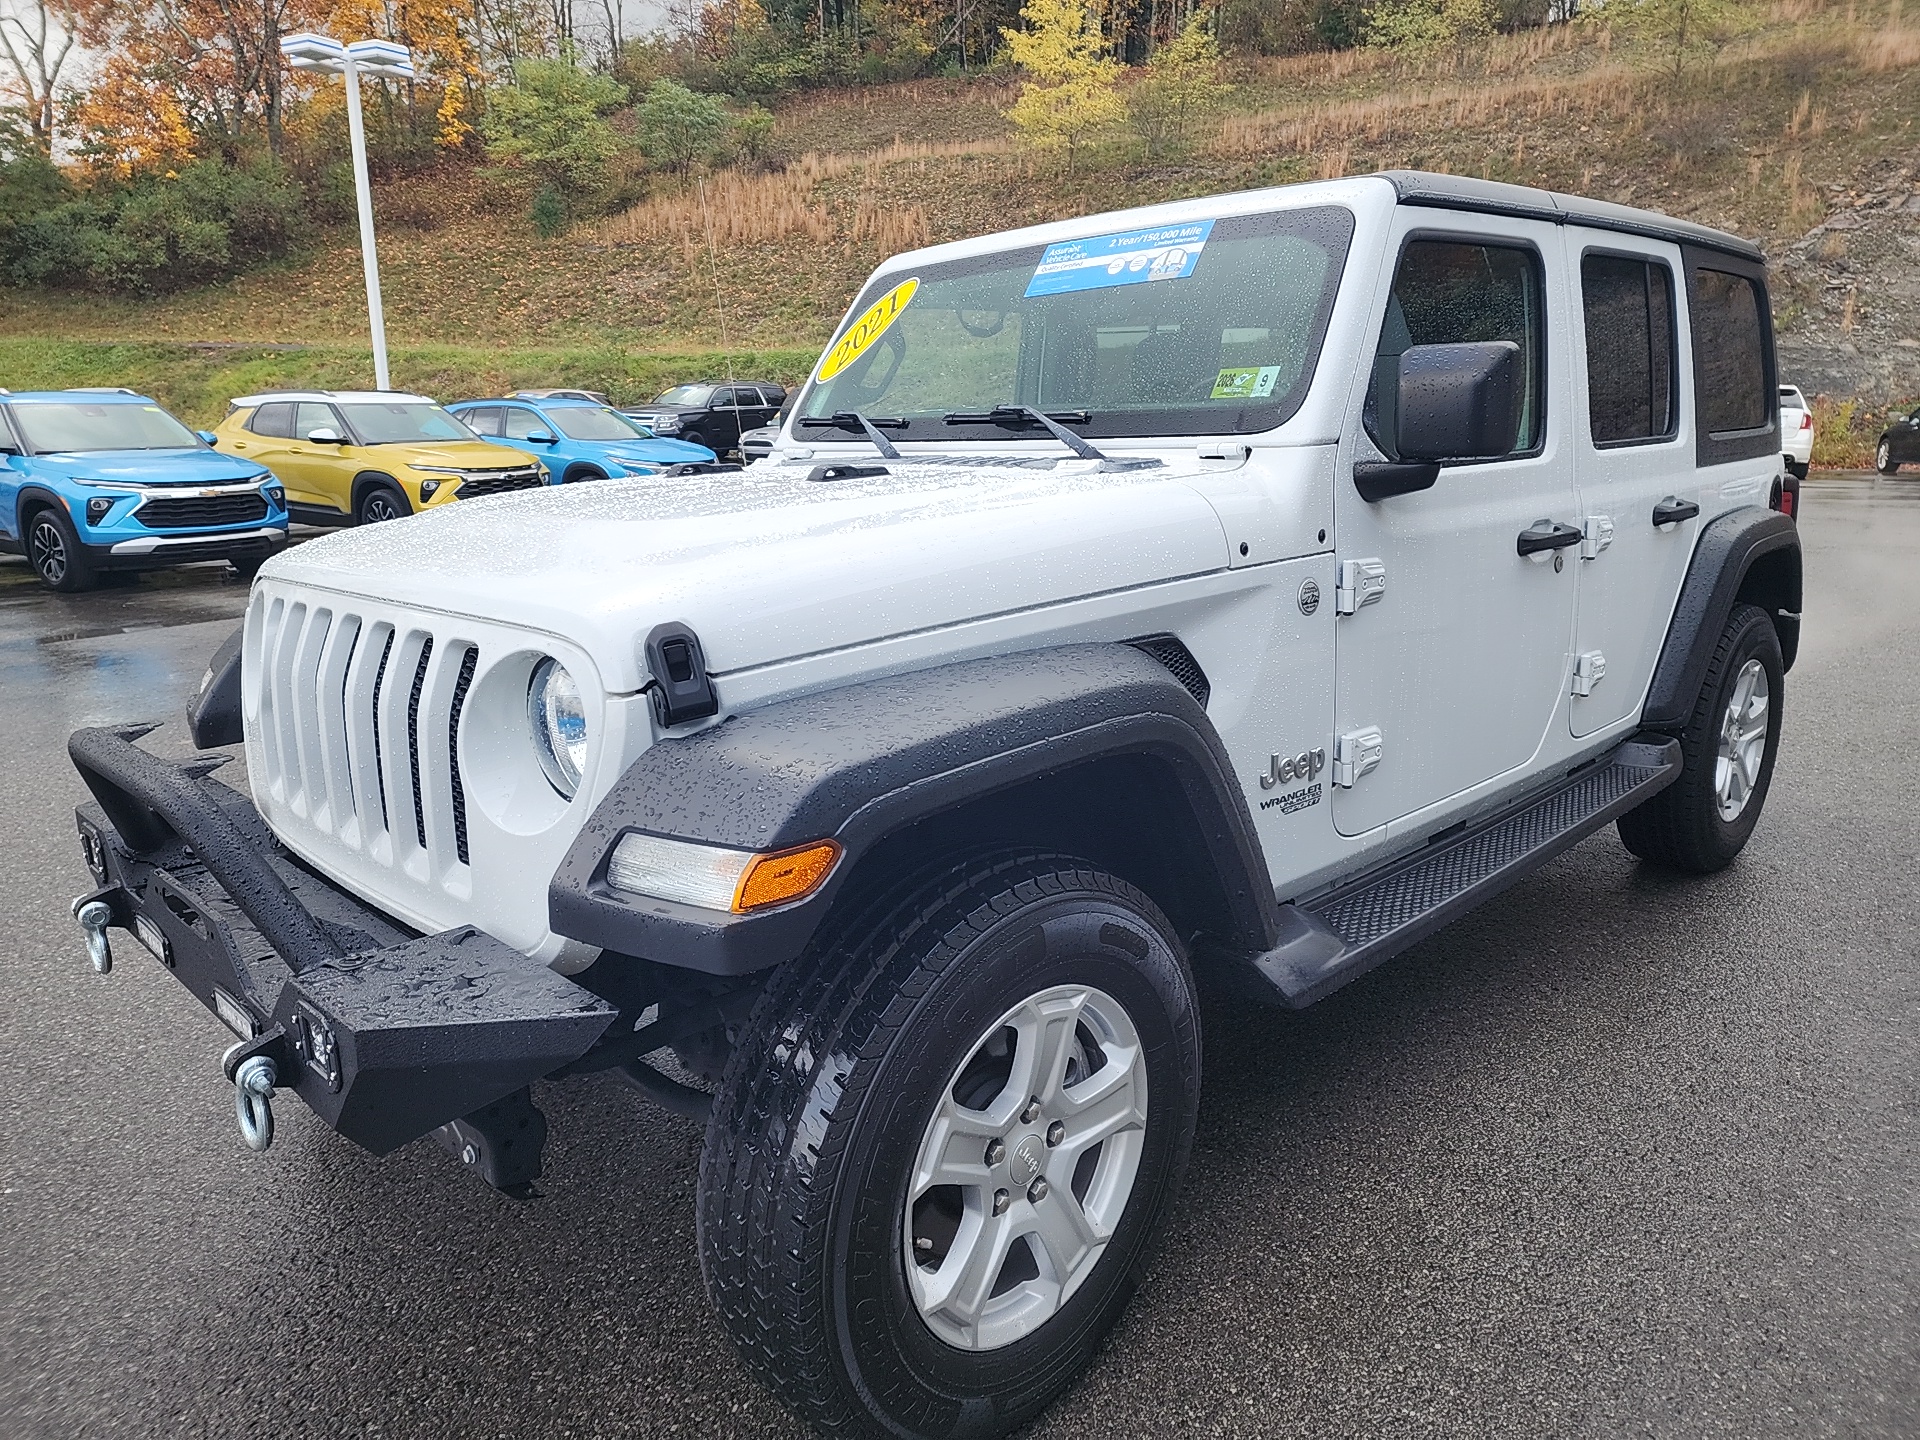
(1618, 1154)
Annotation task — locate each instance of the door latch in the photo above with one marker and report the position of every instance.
(1589, 669)
(1359, 583)
(1596, 536)
(1355, 754)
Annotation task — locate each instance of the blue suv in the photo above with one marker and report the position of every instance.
(578, 439)
(99, 480)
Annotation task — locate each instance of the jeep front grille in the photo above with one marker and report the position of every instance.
(359, 729)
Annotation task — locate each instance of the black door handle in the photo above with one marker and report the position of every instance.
(1547, 535)
(1672, 510)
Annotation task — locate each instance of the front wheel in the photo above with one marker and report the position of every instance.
(380, 503)
(1883, 460)
(1702, 820)
(944, 1148)
(54, 551)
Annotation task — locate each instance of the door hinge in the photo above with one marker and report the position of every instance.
(1355, 754)
(1360, 582)
(1589, 670)
(1595, 536)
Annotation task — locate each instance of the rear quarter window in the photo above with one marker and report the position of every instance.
(1736, 387)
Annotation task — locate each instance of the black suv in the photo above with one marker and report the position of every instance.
(711, 414)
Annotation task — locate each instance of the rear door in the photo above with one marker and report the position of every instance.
(1453, 675)
(1634, 466)
(267, 437)
(723, 429)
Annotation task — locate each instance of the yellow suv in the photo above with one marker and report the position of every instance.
(351, 457)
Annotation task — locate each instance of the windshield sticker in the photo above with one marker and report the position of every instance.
(1103, 261)
(860, 335)
(1252, 383)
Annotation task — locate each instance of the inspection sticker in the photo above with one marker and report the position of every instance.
(1102, 261)
(860, 335)
(1250, 383)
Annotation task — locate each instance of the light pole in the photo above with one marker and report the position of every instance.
(328, 56)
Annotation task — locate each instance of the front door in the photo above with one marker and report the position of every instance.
(319, 475)
(1452, 662)
(1634, 452)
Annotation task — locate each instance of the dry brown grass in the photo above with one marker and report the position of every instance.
(1893, 48)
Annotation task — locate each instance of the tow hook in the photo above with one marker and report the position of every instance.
(94, 917)
(253, 1086)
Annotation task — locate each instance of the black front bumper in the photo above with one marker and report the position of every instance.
(243, 547)
(385, 1034)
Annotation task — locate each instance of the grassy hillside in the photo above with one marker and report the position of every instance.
(1802, 135)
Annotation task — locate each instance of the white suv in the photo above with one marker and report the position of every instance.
(1223, 594)
(1796, 431)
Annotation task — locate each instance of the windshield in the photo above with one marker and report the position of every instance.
(695, 395)
(1206, 328)
(580, 423)
(49, 428)
(401, 423)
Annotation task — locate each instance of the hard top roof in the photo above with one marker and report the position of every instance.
(347, 397)
(114, 396)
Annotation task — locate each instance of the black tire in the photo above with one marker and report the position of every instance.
(1682, 827)
(55, 552)
(582, 472)
(694, 437)
(1883, 460)
(381, 502)
(804, 1180)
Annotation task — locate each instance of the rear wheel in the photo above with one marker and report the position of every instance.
(1702, 820)
(54, 551)
(944, 1149)
(381, 502)
(1883, 460)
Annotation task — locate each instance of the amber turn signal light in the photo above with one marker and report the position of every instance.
(786, 875)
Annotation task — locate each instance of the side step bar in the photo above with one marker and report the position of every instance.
(1339, 935)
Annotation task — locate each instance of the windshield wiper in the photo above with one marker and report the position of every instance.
(1016, 417)
(854, 420)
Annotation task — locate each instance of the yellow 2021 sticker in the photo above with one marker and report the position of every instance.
(860, 335)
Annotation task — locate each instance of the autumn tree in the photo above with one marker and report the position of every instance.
(36, 37)
(552, 121)
(1074, 91)
(678, 125)
(1180, 90)
(1419, 27)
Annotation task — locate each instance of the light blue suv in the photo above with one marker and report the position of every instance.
(100, 480)
(578, 439)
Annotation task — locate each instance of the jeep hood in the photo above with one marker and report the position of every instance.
(767, 565)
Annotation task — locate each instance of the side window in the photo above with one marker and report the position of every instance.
(1450, 292)
(1728, 341)
(275, 419)
(520, 422)
(310, 417)
(722, 400)
(1628, 306)
(484, 421)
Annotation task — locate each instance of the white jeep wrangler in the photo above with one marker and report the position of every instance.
(1226, 593)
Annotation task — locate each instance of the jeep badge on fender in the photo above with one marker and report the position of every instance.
(892, 782)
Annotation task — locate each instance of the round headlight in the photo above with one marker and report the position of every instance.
(559, 722)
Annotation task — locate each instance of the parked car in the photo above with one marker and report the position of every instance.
(352, 457)
(576, 439)
(758, 444)
(599, 397)
(1899, 444)
(1796, 430)
(97, 480)
(713, 415)
(1207, 634)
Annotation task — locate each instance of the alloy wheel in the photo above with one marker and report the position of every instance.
(379, 506)
(1743, 740)
(1883, 457)
(1025, 1167)
(47, 549)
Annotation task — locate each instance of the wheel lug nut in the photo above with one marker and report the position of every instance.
(996, 1151)
(1037, 1191)
(1032, 1112)
(1056, 1132)
(1001, 1200)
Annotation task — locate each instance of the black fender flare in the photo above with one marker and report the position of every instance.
(34, 497)
(863, 762)
(366, 480)
(1746, 554)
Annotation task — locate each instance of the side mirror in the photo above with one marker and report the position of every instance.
(324, 436)
(1459, 402)
(542, 437)
(208, 436)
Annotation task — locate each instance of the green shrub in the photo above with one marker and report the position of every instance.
(551, 121)
(548, 212)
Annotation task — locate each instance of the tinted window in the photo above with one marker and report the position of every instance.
(1628, 305)
(520, 422)
(483, 421)
(52, 427)
(692, 395)
(1450, 293)
(275, 419)
(1729, 359)
(311, 417)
